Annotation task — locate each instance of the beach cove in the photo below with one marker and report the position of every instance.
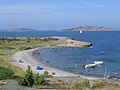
(29, 57)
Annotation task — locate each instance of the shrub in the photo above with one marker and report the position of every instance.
(76, 86)
(6, 73)
(86, 83)
(25, 48)
(28, 79)
(40, 80)
(46, 73)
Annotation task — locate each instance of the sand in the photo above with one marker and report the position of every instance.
(22, 59)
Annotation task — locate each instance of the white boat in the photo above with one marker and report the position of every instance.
(102, 52)
(90, 65)
(98, 62)
(81, 31)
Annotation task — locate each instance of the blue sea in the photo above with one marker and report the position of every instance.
(67, 58)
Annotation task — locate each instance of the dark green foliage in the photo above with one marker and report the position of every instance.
(25, 48)
(86, 83)
(28, 79)
(40, 80)
(76, 86)
(5, 73)
(2, 40)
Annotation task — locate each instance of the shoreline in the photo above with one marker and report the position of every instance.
(28, 57)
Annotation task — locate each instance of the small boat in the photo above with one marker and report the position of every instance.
(90, 65)
(81, 31)
(98, 62)
(102, 52)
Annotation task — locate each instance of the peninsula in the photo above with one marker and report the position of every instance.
(8, 46)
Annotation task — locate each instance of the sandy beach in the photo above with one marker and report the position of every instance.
(22, 59)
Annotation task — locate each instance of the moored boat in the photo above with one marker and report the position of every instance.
(90, 65)
(98, 62)
(102, 52)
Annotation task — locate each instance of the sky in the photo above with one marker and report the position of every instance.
(58, 14)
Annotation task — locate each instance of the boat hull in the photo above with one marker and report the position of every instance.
(98, 62)
(90, 65)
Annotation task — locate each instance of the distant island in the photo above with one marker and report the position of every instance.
(21, 30)
(91, 28)
(81, 28)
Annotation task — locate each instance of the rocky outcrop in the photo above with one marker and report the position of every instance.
(68, 42)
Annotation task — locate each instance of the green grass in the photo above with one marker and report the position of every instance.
(6, 73)
(9, 46)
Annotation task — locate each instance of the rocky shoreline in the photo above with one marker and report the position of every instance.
(65, 42)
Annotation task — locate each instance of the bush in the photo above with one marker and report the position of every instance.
(76, 86)
(6, 73)
(40, 80)
(86, 83)
(28, 79)
(24, 48)
(46, 73)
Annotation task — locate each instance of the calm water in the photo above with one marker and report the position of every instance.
(65, 59)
